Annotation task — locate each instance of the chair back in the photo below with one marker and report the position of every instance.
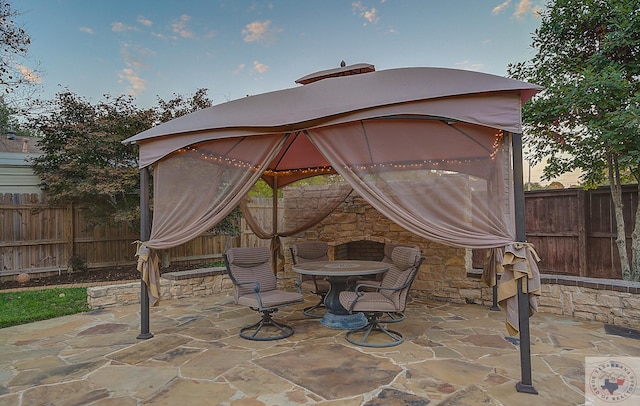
(251, 264)
(406, 262)
(388, 250)
(309, 251)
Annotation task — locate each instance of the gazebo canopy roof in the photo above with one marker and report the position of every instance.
(448, 95)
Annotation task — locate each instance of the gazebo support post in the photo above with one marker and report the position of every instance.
(494, 306)
(145, 232)
(526, 384)
(274, 224)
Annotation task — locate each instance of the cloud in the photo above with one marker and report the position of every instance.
(525, 7)
(145, 21)
(180, 27)
(86, 30)
(371, 15)
(467, 65)
(260, 68)
(136, 83)
(131, 73)
(258, 31)
(29, 75)
(121, 27)
(522, 8)
(239, 69)
(499, 9)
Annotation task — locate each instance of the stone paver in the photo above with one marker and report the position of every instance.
(453, 355)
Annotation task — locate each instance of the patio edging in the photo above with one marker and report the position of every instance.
(173, 285)
(610, 301)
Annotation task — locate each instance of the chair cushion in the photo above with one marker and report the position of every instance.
(405, 257)
(248, 257)
(251, 265)
(272, 298)
(388, 250)
(307, 251)
(370, 301)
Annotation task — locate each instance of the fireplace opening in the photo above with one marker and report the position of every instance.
(360, 250)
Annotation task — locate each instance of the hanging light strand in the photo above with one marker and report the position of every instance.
(406, 165)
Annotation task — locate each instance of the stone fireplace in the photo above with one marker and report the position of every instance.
(355, 230)
(362, 250)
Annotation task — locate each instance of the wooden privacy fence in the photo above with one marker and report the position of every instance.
(38, 238)
(262, 209)
(574, 230)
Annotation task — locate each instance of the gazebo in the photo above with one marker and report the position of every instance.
(437, 151)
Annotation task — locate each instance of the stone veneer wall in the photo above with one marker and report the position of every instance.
(443, 273)
(173, 285)
(609, 301)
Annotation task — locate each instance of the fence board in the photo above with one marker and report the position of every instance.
(38, 238)
(262, 209)
(574, 230)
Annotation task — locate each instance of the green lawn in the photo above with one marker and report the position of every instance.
(32, 305)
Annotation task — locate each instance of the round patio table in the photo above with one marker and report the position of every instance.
(338, 274)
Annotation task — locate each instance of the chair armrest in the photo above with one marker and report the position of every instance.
(365, 285)
(257, 287)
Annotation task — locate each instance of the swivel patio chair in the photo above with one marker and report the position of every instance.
(387, 317)
(255, 286)
(390, 296)
(392, 317)
(309, 251)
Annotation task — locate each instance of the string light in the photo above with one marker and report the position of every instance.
(407, 165)
(497, 142)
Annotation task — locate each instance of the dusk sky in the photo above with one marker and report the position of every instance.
(235, 48)
(150, 48)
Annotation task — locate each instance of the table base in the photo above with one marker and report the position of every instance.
(353, 321)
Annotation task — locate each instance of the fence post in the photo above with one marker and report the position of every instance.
(69, 230)
(582, 232)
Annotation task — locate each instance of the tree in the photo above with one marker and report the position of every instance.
(14, 43)
(84, 160)
(588, 116)
(8, 120)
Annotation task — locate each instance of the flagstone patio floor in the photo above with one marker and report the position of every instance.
(453, 355)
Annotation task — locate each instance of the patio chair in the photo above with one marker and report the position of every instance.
(390, 296)
(309, 251)
(255, 286)
(392, 317)
(387, 317)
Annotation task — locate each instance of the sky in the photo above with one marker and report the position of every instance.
(234, 48)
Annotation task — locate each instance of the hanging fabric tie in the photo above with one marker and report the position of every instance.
(148, 266)
(519, 266)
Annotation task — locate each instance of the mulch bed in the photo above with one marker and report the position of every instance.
(114, 274)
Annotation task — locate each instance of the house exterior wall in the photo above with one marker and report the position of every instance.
(16, 175)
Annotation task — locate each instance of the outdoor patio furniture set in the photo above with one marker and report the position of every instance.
(349, 298)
